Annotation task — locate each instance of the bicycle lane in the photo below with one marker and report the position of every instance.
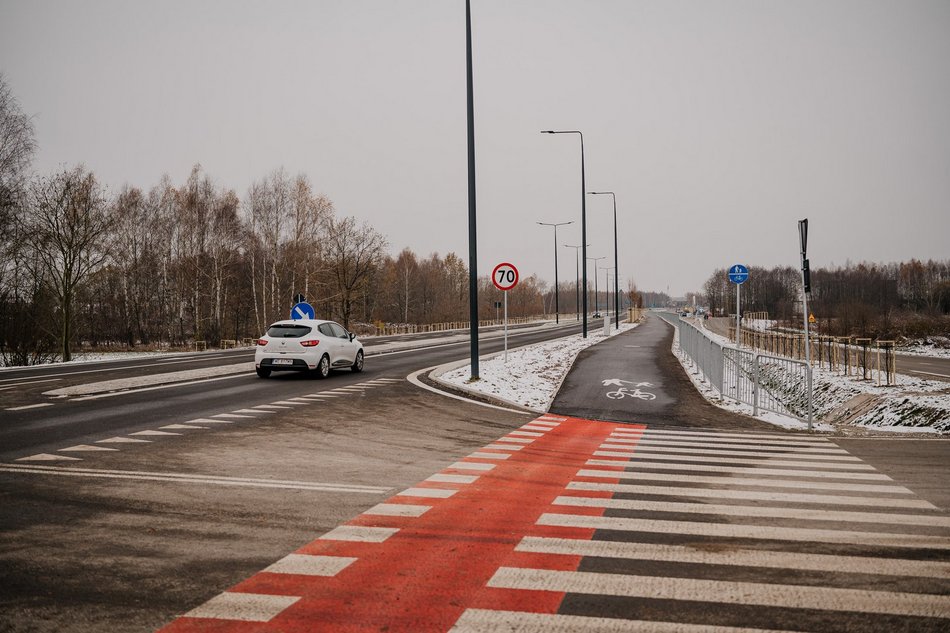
(634, 378)
(420, 559)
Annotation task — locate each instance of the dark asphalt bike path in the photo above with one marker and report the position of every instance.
(634, 378)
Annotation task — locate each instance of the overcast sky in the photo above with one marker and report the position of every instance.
(718, 124)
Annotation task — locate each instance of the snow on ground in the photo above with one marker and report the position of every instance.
(533, 373)
(912, 404)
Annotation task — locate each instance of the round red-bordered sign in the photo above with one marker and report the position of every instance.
(505, 276)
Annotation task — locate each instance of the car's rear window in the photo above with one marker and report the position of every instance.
(288, 331)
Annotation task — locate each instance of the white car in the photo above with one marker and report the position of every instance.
(307, 345)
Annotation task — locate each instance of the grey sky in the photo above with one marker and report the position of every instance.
(718, 124)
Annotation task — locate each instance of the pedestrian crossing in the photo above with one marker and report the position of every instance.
(542, 532)
(714, 532)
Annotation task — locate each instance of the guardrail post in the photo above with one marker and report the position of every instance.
(755, 385)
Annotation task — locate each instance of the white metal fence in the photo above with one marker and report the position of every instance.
(766, 382)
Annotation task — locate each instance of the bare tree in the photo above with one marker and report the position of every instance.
(17, 145)
(67, 224)
(353, 253)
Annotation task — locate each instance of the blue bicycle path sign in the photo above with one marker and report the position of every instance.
(302, 310)
(738, 274)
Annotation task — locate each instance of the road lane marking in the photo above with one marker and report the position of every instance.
(711, 434)
(154, 433)
(244, 607)
(727, 480)
(359, 533)
(504, 447)
(663, 457)
(85, 448)
(311, 565)
(762, 532)
(724, 592)
(526, 434)
(191, 478)
(211, 420)
(514, 440)
(172, 385)
(740, 470)
(433, 493)
(398, 510)
(47, 457)
(699, 451)
(452, 479)
(803, 514)
(232, 416)
(750, 495)
(736, 557)
(471, 466)
(30, 406)
(176, 427)
(28, 382)
(122, 440)
(491, 621)
(255, 412)
(777, 449)
(928, 373)
(678, 441)
(479, 455)
(268, 407)
(535, 427)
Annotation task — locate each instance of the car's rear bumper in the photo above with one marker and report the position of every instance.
(297, 364)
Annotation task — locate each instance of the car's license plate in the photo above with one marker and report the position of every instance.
(283, 361)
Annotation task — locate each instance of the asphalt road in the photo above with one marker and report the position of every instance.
(635, 379)
(443, 511)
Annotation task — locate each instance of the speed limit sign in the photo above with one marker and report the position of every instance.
(505, 276)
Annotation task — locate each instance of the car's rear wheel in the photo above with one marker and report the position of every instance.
(357, 365)
(263, 373)
(323, 367)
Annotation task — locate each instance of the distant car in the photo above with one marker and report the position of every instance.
(308, 345)
(597, 315)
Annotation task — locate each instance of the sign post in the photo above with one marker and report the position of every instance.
(806, 288)
(738, 275)
(505, 277)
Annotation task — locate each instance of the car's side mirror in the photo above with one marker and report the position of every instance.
(352, 336)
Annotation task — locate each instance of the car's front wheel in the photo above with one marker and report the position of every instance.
(357, 365)
(263, 373)
(323, 367)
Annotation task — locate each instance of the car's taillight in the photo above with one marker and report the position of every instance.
(262, 342)
(312, 343)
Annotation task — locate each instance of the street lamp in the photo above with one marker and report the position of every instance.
(616, 265)
(577, 280)
(607, 274)
(472, 239)
(557, 304)
(595, 260)
(583, 215)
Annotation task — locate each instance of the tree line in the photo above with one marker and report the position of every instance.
(881, 301)
(179, 263)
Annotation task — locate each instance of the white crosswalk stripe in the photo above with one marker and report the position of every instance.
(703, 531)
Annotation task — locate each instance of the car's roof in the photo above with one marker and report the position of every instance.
(310, 322)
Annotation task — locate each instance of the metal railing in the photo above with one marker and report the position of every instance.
(766, 382)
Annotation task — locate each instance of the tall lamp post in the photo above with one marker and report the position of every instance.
(595, 260)
(472, 235)
(607, 274)
(557, 304)
(577, 280)
(616, 264)
(583, 215)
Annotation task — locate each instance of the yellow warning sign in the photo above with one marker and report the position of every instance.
(811, 318)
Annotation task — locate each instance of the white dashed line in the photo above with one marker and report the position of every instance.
(244, 607)
(310, 565)
(359, 533)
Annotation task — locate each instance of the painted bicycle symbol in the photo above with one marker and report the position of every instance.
(624, 392)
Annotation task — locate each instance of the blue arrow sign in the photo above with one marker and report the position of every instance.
(302, 310)
(738, 274)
